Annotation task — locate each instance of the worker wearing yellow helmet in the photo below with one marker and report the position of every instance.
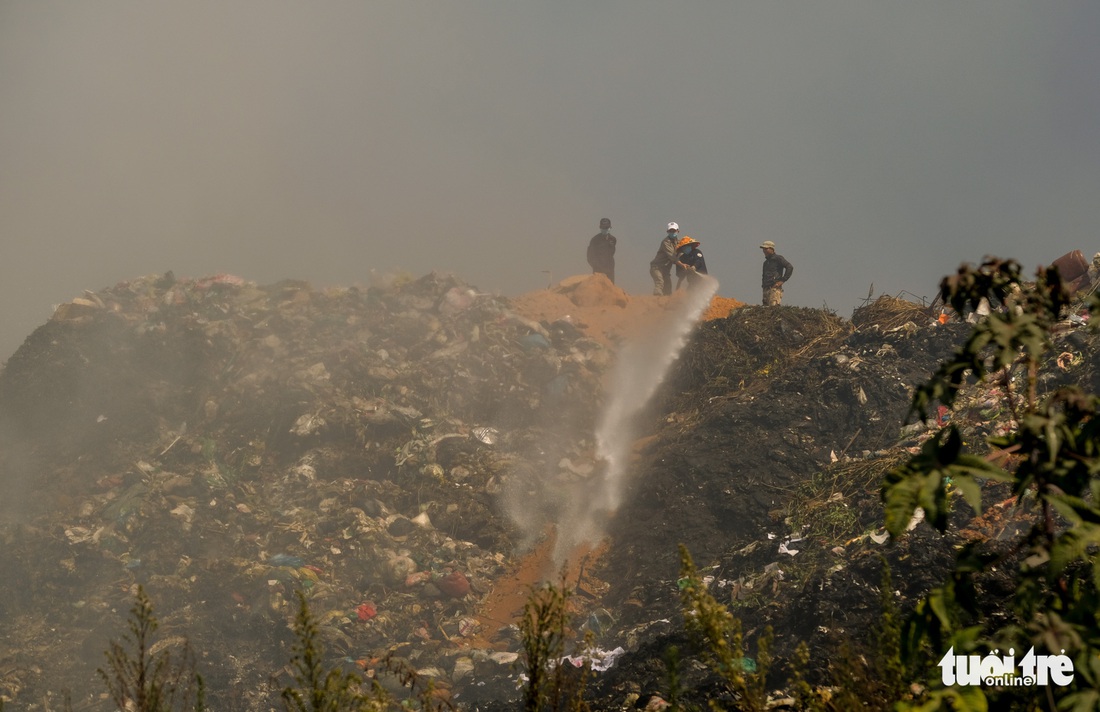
(692, 264)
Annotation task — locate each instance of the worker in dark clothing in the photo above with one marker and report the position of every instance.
(775, 274)
(660, 268)
(601, 251)
(693, 263)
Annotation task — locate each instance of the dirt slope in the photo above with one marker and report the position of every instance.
(601, 310)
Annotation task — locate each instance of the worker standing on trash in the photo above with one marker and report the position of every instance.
(775, 274)
(601, 251)
(692, 261)
(660, 268)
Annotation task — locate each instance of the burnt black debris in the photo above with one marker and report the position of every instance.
(224, 444)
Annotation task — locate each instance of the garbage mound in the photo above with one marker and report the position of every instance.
(224, 444)
(770, 445)
(889, 312)
(761, 403)
(402, 452)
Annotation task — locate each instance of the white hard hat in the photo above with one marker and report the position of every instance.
(673, 227)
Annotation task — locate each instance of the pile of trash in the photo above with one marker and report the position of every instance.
(225, 444)
(889, 312)
(395, 451)
(772, 440)
(762, 402)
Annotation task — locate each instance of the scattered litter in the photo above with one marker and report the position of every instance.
(344, 428)
(486, 435)
(286, 560)
(879, 538)
(504, 658)
(601, 660)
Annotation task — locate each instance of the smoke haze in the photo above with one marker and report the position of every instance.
(874, 143)
(538, 498)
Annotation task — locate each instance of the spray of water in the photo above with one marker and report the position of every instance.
(641, 368)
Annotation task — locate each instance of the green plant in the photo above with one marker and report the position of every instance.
(829, 505)
(219, 472)
(867, 675)
(672, 677)
(320, 690)
(892, 673)
(543, 630)
(806, 696)
(720, 636)
(423, 690)
(1054, 441)
(139, 680)
(317, 689)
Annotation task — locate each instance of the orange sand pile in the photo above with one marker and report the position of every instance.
(720, 308)
(603, 311)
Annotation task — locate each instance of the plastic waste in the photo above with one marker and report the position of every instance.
(531, 342)
(286, 560)
(603, 660)
(486, 435)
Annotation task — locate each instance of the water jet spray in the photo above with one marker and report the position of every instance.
(641, 368)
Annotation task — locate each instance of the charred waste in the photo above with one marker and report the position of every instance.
(404, 454)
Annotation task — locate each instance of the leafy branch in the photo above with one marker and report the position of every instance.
(1054, 446)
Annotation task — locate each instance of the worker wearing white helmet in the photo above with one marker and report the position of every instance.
(660, 269)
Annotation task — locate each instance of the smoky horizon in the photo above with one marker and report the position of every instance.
(879, 147)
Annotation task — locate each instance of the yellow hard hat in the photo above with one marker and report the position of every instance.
(685, 241)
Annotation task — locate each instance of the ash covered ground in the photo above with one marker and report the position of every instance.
(404, 453)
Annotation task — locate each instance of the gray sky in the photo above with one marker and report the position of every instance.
(874, 142)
